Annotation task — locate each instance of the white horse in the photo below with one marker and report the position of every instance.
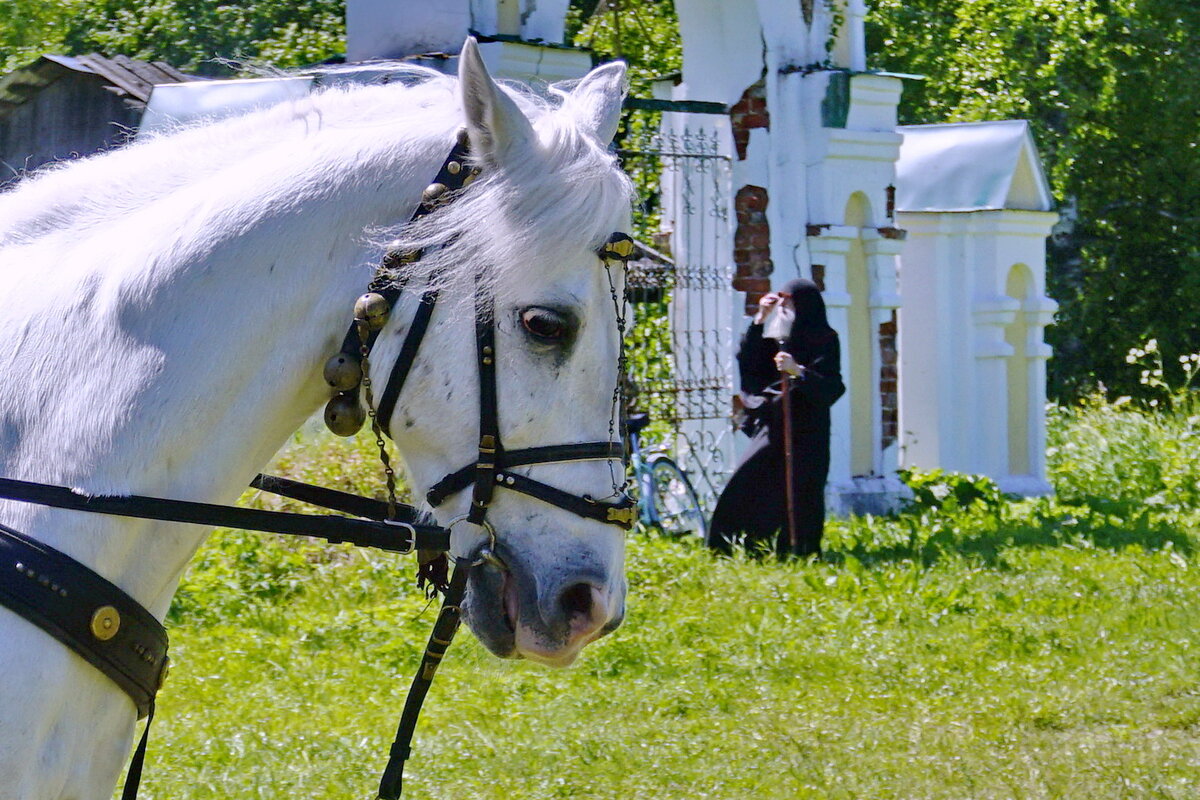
(166, 309)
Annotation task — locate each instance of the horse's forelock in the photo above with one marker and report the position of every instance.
(546, 208)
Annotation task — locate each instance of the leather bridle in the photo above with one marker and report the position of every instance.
(101, 623)
(491, 467)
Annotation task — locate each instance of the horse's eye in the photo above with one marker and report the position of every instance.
(545, 325)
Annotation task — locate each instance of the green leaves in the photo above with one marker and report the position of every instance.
(1111, 88)
(198, 36)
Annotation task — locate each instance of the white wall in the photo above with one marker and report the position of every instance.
(963, 376)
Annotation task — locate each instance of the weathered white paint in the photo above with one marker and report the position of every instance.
(394, 29)
(832, 170)
(833, 137)
(972, 354)
(168, 308)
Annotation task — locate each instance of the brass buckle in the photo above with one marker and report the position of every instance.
(623, 516)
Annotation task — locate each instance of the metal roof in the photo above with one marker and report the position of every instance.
(126, 77)
(970, 166)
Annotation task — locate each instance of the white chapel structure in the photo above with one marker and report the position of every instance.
(928, 241)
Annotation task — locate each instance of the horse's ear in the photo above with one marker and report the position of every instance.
(495, 125)
(598, 98)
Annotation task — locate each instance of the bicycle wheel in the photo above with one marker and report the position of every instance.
(675, 501)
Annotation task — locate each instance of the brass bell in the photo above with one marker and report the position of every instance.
(433, 192)
(344, 415)
(397, 258)
(373, 308)
(343, 372)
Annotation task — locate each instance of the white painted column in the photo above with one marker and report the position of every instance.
(990, 314)
(829, 250)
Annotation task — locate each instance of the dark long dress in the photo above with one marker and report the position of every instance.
(753, 504)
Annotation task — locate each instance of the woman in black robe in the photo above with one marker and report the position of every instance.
(753, 504)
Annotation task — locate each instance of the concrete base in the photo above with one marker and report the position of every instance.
(874, 495)
(1025, 485)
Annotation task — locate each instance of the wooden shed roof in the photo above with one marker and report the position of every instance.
(126, 77)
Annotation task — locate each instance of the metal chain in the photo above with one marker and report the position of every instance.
(620, 308)
(364, 352)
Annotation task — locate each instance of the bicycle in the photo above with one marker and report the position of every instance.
(666, 498)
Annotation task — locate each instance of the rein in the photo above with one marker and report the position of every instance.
(118, 636)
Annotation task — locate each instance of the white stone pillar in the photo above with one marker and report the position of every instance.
(828, 250)
(990, 315)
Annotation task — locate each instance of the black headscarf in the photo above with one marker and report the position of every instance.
(810, 328)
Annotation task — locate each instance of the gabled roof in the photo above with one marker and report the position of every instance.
(970, 166)
(125, 77)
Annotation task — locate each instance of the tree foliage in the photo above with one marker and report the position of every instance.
(196, 35)
(1112, 89)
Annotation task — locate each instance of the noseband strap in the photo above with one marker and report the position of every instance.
(584, 451)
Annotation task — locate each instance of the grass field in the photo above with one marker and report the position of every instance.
(985, 649)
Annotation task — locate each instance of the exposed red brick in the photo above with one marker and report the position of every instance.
(752, 283)
(818, 276)
(888, 379)
(748, 113)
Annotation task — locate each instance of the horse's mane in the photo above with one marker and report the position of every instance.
(572, 191)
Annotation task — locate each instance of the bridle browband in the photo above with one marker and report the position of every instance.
(118, 636)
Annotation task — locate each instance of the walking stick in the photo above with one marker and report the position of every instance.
(788, 467)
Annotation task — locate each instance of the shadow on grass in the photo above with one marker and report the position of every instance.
(1096, 522)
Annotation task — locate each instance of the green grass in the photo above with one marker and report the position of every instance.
(1041, 649)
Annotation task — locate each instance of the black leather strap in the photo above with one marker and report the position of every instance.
(439, 640)
(404, 362)
(398, 538)
(454, 174)
(87, 613)
(455, 482)
(490, 450)
(619, 513)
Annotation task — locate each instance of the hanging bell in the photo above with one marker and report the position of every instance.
(373, 308)
(433, 192)
(343, 372)
(344, 415)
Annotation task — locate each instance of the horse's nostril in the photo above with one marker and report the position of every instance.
(576, 601)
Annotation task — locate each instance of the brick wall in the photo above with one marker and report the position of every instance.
(752, 239)
(888, 373)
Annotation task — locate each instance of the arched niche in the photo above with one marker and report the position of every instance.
(1020, 286)
(860, 358)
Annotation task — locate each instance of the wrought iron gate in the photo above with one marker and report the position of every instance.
(681, 345)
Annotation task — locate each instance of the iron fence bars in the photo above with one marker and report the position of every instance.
(682, 341)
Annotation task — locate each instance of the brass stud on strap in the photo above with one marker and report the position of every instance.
(343, 372)
(106, 621)
(373, 308)
(453, 167)
(619, 247)
(621, 516)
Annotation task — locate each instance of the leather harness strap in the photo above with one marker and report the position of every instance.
(87, 613)
(397, 536)
(408, 356)
(584, 451)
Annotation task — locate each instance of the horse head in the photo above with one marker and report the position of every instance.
(526, 234)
